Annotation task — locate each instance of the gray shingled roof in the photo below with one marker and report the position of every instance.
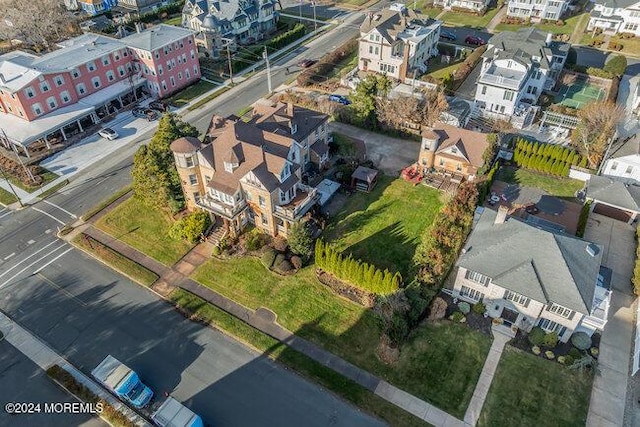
(622, 4)
(534, 262)
(625, 147)
(156, 37)
(615, 193)
(524, 44)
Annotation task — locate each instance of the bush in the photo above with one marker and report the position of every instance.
(300, 239)
(562, 360)
(216, 251)
(458, 317)
(599, 72)
(438, 309)
(550, 340)
(464, 307)
(568, 360)
(549, 354)
(280, 244)
(280, 258)
(536, 336)
(581, 340)
(268, 257)
(575, 353)
(535, 349)
(256, 239)
(594, 351)
(190, 227)
(296, 261)
(284, 267)
(479, 308)
(616, 63)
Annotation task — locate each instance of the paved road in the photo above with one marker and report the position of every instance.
(35, 387)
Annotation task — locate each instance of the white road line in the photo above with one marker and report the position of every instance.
(71, 214)
(32, 264)
(49, 215)
(53, 260)
(47, 231)
(9, 256)
(6, 214)
(32, 255)
(31, 242)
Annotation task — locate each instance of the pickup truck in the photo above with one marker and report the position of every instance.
(174, 414)
(123, 382)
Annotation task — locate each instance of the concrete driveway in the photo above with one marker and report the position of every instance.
(609, 394)
(390, 155)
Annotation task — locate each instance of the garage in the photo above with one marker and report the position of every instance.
(613, 199)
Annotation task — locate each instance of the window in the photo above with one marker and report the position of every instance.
(517, 298)
(37, 109)
(261, 201)
(81, 89)
(51, 102)
(105, 60)
(180, 76)
(189, 161)
(471, 293)
(160, 70)
(195, 70)
(477, 277)
(121, 71)
(376, 50)
(44, 86)
(193, 54)
(629, 169)
(75, 73)
(484, 90)
(64, 95)
(614, 166)
(91, 66)
(187, 74)
(164, 85)
(371, 49)
(551, 326)
(228, 167)
(173, 81)
(59, 81)
(156, 54)
(116, 55)
(265, 221)
(630, 26)
(110, 76)
(196, 197)
(508, 95)
(29, 92)
(96, 82)
(193, 180)
(560, 311)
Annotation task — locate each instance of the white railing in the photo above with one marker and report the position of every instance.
(502, 81)
(221, 208)
(293, 213)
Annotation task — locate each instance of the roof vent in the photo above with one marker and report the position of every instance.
(592, 249)
(377, 17)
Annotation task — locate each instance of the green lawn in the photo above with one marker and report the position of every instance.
(383, 227)
(145, 229)
(530, 391)
(462, 19)
(176, 20)
(631, 45)
(345, 145)
(568, 27)
(439, 70)
(187, 94)
(304, 365)
(440, 363)
(555, 186)
(47, 177)
(425, 7)
(7, 197)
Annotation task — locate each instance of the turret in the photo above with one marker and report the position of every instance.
(185, 152)
(428, 147)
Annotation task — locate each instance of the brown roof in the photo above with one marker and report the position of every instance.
(275, 118)
(363, 173)
(187, 144)
(429, 134)
(470, 143)
(390, 23)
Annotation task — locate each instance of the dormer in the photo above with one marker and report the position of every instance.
(293, 127)
(233, 159)
(286, 172)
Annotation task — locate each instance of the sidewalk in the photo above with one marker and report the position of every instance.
(496, 19)
(43, 356)
(265, 321)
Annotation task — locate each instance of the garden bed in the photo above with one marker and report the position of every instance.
(357, 295)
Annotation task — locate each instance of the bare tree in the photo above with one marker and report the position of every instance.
(411, 112)
(36, 22)
(597, 125)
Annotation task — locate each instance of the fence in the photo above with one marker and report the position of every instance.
(579, 174)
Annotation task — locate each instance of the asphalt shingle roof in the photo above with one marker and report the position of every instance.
(616, 193)
(543, 265)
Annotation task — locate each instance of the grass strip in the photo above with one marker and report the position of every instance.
(199, 309)
(53, 189)
(7, 197)
(106, 202)
(116, 260)
(71, 385)
(208, 98)
(47, 177)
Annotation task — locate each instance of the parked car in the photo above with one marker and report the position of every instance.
(339, 99)
(139, 112)
(108, 133)
(477, 41)
(306, 63)
(532, 209)
(447, 35)
(158, 106)
(145, 113)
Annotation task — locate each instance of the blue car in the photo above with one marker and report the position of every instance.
(339, 99)
(447, 35)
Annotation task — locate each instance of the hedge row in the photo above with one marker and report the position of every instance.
(321, 70)
(547, 158)
(362, 275)
(251, 55)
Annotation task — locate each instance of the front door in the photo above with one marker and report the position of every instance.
(509, 316)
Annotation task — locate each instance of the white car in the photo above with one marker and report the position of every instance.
(108, 133)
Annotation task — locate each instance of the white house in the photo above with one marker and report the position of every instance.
(531, 276)
(516, 68)
(397, 42)
(623, 162)
(616, 16)
(537, 10)
(471, 5)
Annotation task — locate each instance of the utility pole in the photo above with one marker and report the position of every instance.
(315, 22)
(13, 190)
(265, 55)
(230, 64)
(300, 9)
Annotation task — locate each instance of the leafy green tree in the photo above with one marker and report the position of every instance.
(300, 239)
(191, 227)
(565, 170)
(583, 162)
(151, 183)
(616, 65)
(363, 99)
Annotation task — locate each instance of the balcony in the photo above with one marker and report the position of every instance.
(300, 205)
(220, 208)
(503, 77)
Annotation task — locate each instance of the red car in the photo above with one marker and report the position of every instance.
(477, 41)
(306, 63)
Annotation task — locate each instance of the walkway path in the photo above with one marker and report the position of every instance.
(265, 321)
(496, 19)
(44, 356)
(488, 371)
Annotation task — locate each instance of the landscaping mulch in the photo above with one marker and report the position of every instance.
(346, 290)
(474, 320)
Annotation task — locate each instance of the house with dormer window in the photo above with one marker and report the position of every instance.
(615, 16)
(528, 275)
(251, 172)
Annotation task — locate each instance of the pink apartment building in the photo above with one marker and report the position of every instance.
(53, 96)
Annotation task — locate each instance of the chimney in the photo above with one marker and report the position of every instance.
(138, 27)
(501, 217)
(549, 39)
(2, 79)
(290, 109)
